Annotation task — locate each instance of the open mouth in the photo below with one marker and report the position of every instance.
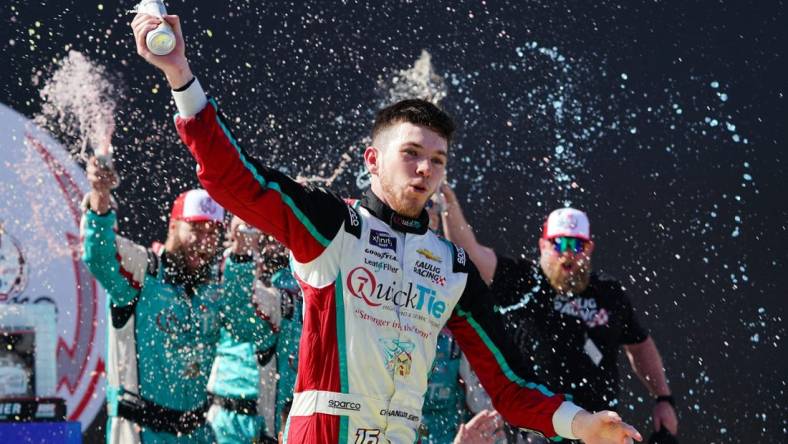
(567, 266)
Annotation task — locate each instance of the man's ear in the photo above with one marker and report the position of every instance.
(544, 244)
(371, 159)
(172, 228)
(589, 248)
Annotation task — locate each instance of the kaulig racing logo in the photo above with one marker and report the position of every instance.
(362, 284)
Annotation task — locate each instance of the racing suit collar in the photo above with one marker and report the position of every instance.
(395, 220)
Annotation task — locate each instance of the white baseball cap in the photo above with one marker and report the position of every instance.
(567, 222)
(196, 206)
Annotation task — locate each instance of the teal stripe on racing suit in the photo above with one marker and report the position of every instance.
(164, 331)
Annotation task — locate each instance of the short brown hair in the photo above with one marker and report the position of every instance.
(417, 112)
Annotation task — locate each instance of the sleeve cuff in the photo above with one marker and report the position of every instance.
(191, 100)
(562, 419)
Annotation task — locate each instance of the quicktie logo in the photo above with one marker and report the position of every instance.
(361, 283)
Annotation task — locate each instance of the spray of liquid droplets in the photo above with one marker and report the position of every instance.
(78, 104)
(419, 81)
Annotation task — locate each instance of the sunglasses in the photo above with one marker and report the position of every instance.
(573, 244)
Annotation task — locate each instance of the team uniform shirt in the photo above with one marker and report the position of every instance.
(165, 325)
(444, 403)
(378, 288)
(234, 385)
(572, 341)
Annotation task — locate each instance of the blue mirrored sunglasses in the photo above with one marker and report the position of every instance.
(573, 244)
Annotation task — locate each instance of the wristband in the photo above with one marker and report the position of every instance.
(666, 398)
(186, 86)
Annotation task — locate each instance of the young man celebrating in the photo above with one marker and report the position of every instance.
(570, 322)
(378, 286)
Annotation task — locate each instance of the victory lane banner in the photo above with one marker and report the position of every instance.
(42, 187)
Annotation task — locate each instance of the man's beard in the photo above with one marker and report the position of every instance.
(397, 202)
(189, 261)
(574, 282)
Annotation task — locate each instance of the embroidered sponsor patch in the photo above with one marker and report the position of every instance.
(429, 254)
(381, 239)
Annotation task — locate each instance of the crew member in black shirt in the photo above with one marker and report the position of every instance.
(571, 323)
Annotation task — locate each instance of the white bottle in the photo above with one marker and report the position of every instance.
(160, 41)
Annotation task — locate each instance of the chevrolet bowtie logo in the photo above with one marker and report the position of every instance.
(428, 254)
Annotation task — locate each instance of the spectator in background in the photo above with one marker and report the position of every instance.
(571, 323)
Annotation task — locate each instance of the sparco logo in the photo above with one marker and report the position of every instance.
(344, 405)
(461, 256)
(362, 284)
(353, 217)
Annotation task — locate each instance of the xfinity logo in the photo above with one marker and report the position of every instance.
(381, 239)
(344, 405)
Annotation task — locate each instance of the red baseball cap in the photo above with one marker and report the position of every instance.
(196, 206)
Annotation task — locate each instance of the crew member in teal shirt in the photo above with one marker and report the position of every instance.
(167, 309)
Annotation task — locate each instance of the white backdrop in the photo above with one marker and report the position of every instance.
(40, 191)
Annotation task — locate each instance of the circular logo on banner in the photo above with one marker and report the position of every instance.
(42, 188)
(13, 267)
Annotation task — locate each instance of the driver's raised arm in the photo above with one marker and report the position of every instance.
(305, 219)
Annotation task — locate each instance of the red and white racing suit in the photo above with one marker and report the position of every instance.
(378, 287)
